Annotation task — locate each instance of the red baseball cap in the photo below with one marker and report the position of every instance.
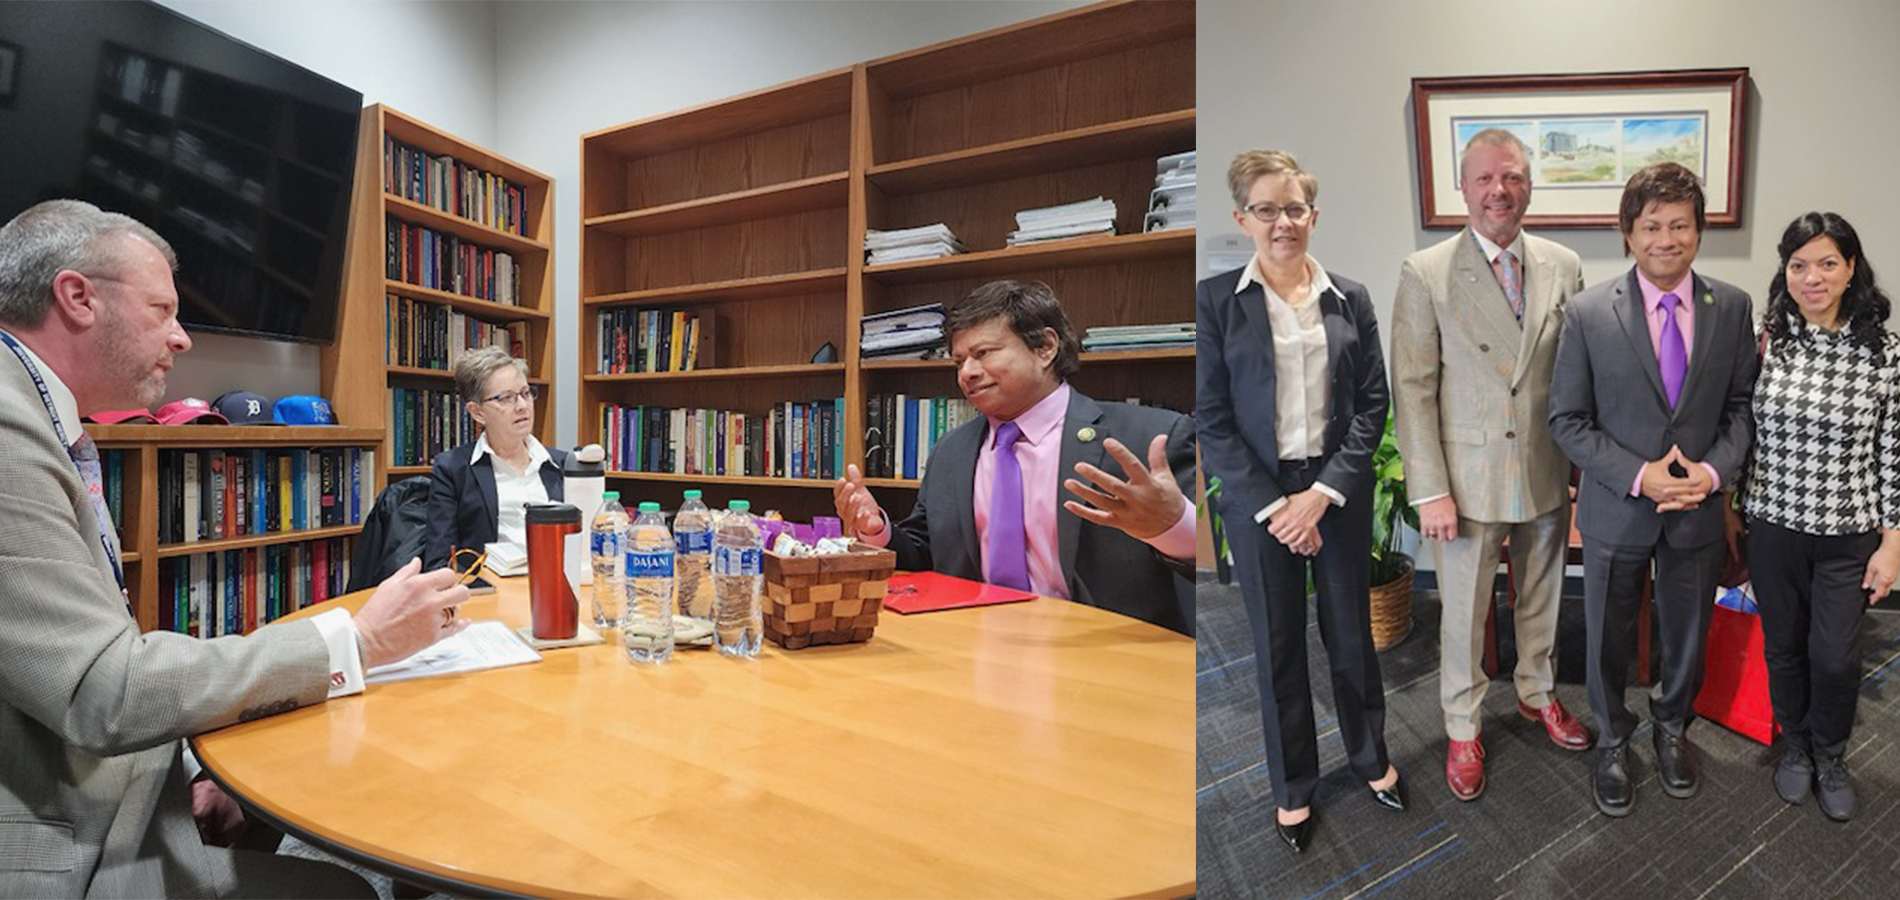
(124, 417)
(189, 411)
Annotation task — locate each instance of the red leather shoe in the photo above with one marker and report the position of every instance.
(1565, 731)
(1464, 769)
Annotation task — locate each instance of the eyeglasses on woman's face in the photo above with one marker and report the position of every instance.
(510, 398)
(1271, 212)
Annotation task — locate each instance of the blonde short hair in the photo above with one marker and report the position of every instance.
(473, 369)
(1252, 165)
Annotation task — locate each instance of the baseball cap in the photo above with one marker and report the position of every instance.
(303, 409)
(124, 417)
(190, 410)
(244, 408)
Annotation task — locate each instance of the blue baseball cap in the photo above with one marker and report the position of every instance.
(303, 409)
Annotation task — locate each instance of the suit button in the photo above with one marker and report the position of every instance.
(1510, 435)
(1513, 392)
(1484, 348)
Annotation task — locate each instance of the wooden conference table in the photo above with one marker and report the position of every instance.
(1039, 749)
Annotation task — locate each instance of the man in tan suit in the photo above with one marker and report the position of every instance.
(1475, 326)
(95, 796)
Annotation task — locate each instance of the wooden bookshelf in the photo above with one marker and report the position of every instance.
(754, 210)
(359, 373)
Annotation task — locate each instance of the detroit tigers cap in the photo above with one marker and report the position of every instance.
(304, 409)
(244, 408)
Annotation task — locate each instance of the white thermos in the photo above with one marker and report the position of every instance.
(583, 481)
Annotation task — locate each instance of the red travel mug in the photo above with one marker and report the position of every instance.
(550, 599)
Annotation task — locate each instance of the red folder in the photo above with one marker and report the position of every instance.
(929, 591)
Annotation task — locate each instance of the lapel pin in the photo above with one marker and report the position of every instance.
(1708, 298)
(1086, 435)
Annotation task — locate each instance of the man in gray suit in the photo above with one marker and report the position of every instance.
(95, 796)
(1651, 400)
(1475, 327)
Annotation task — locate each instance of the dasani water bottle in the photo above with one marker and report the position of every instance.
(692, 541)
(738, 576)
(648, 629)
(608, 540)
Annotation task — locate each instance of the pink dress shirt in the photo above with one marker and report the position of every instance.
(1685, 322)
(1039, 454)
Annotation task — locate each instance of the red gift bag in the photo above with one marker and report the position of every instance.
(1735, 677)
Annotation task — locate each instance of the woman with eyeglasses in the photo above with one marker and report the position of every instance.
(479, 489)
(1290, 405)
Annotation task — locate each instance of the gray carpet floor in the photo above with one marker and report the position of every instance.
(1534, 833)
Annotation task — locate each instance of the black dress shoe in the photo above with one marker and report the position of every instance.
(1794, 775)
(1298, 835)
(1832, 790)
(1610, 781)
(1392, 798)
(1676, 765)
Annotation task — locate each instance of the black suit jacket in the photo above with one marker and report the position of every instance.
(462, 505)
(1104, 566)
(1235, 408)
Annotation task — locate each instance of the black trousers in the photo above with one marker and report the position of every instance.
(1808, 588)
(1684, 595)
(1273, 587)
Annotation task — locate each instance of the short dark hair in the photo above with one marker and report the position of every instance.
(1864, 306)
(1030, 307)
(1661, 183)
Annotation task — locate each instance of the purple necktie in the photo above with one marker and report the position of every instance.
(1671, 354)
(1005, 546)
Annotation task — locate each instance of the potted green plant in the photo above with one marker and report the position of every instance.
(1392, 569)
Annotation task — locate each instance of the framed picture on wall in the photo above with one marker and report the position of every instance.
(1587, 135)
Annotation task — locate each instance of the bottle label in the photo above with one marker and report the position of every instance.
(606, 543)
(738, 561)
(650, 563)
(694, 541)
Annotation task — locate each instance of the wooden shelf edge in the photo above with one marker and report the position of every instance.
(1073, 251)
(1098, 357)
(405, 208)
(736, 289)
(722, 374)
(409, 471)
(751, 480)
(491, 308)
(1094, 143)
(166, 551)
(416, 372)
(774, 200)
(910, 484)
(233, 435)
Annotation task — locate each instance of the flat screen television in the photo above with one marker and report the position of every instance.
(241, 160)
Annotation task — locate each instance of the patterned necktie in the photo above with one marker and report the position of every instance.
(1006, 546)
(1505, 267)
(1672, 355)
(85, 455)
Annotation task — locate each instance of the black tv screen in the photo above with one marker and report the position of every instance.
(241, 160)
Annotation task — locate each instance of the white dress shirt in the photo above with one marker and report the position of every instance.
(1302, 391)
(514, 491)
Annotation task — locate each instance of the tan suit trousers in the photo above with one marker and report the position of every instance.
(1467, 571)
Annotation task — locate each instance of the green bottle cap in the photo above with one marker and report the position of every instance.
(739, 505)
(647, 506)
(610, 495)
(691, 495)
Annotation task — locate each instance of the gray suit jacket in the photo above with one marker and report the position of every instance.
(1471, 385)
(1609, 413)
(93, 797)
(1105, 567)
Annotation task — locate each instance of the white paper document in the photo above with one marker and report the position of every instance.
(483, 645)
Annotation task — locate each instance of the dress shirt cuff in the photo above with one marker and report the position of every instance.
(338, 631)
(193, 768)
(1636, 487)
(1431, 498)
(883, 536)
(1178, 541)
(1266, 512)
(1338, 498)
(1713, 476)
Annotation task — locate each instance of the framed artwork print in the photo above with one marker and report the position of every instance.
(1587, 135)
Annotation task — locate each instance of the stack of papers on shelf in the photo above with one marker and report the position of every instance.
(1171, 204)
(1069, 220)
(912, 333)
(922, 242)
(1138, 337)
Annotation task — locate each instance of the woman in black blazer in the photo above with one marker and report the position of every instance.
(1291, 404)
(478, 489)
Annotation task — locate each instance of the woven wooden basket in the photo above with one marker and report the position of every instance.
(1392, 611)
(825, 599)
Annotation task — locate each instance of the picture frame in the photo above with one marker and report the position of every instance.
(9, 73)
(1587, 134)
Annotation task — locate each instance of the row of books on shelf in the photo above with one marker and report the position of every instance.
(428, 258)
(1171, 203)
(653, 340)
(234, 591)
(454, 187)
(112, 478)
(424, 422)
(214, 494)
(1110, 338)
(791, 440)
(914, 332)
(900, 430)
(431, 336)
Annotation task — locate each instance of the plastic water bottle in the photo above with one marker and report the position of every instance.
(648, 629)
(738, 576)
(692, 573)
(609, 540)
